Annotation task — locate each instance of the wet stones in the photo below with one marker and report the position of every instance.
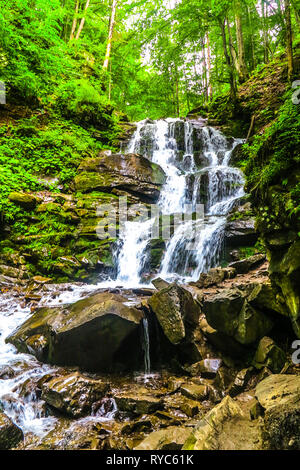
(10, 433)
(73, 394)
(99, 333)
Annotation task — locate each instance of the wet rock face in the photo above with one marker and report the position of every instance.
(73, 394)
(10, 433)
(131, 173)
(245, 265)
(241, 232)
(171, 438)
(231, 312)
(225, 427)
(279, 395)
(99, 333)
(176, 311)
(269, 355)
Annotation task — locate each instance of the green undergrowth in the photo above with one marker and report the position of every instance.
(37, 155)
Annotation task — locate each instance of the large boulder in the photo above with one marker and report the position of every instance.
(225, 427)
(230, 313)
(176, 311)
(10, 433)
(98, 333)
(269, 355)
(281, 427)
(241, 232)
(278, 389)
(130, 173)
(139, 402)
(245, 265)
(171, 438)
(73, 394)
(279, 395)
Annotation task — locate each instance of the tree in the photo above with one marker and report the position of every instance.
(288, 36)
(110, 33)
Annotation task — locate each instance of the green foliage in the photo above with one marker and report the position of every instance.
(274, 155)
(31, 151)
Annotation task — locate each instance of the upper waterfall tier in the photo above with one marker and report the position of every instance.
(196, 161)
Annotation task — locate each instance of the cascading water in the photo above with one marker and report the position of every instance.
(195, 246)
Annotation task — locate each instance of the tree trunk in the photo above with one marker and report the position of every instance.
(205, 81)
(253, 60)
(210, 94)
(110, 33)
(265, 33)
(228, 61)
(289, 38)
(74, 24)
(82, 20)
(243, 72)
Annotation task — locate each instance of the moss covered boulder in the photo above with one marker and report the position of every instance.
(99, 333)
(130, 173)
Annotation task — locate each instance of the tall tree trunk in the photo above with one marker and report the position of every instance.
(253, 60)
(228, 60)
(82, 20)
(289, 38)
(243, 72)
(205, 81)
(74, 24)
(209, 66)
(177, 92)
(232, 51)
(265, 33)
(110, 33)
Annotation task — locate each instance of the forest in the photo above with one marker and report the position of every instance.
(133, 341)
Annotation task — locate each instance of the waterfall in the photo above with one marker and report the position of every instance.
(207, 180)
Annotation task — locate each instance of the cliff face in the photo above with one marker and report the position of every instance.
(267, 109)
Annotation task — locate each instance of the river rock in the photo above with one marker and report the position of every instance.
(138, 403)
(229, 312)
(281, 427)
(241, 232)
(73, 394)
(131, 173)
(170, 438)
(245, 265)
(160, 283)
(194, 391)
(264, 297)
(176, 311)
(99, 333)
(225, 427)
(279, 395)
(269, 355)
(25, 200)
(278, 390)
(10, 433)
